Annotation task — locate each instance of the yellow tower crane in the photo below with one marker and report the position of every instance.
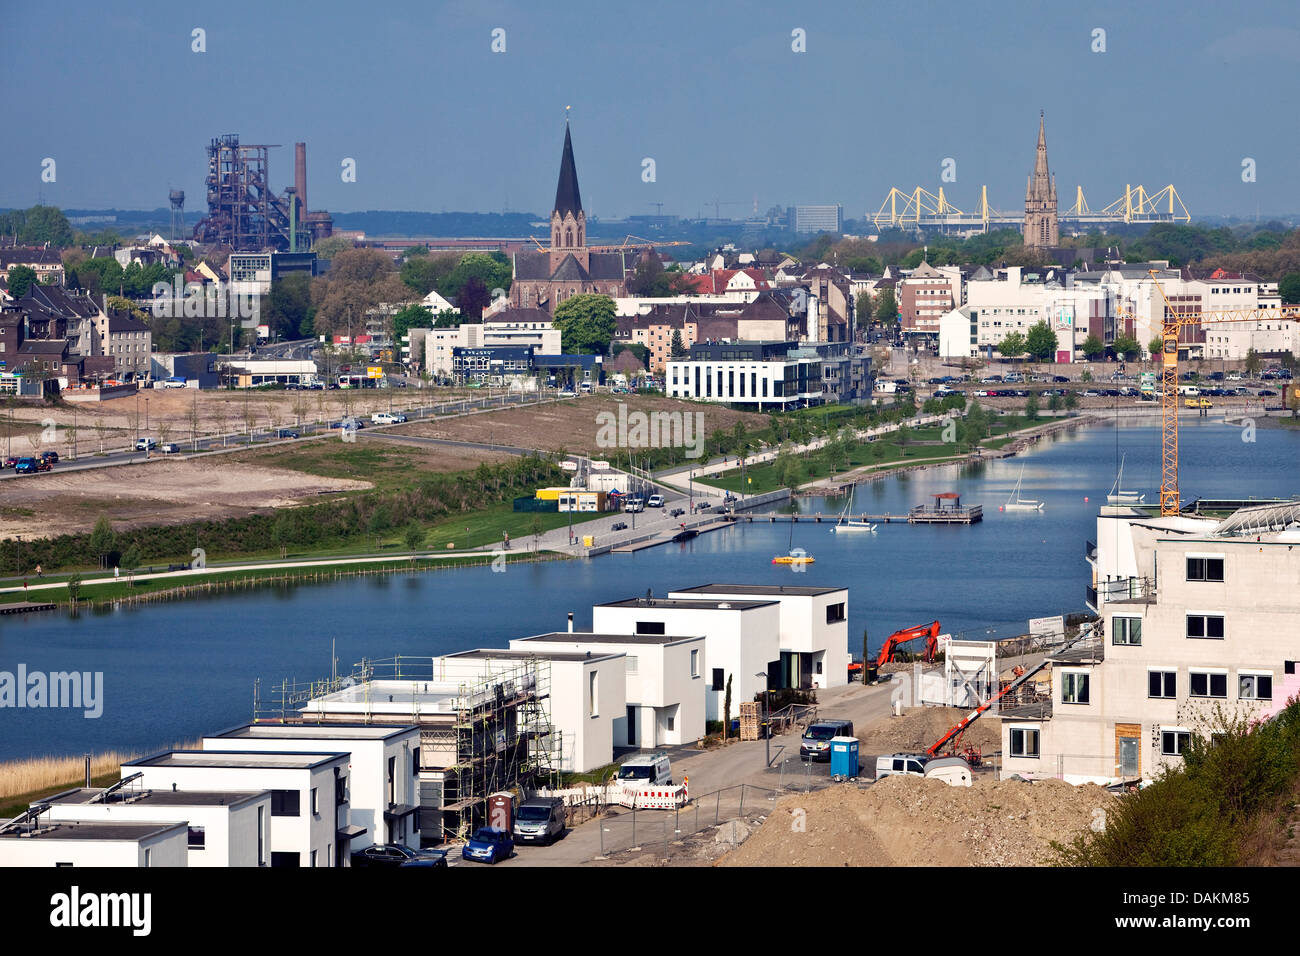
(1172, 326)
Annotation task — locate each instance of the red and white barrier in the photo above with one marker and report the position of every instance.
(655, 798)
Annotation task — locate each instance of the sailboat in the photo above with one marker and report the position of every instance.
(1117, 495)
(851, 524)
(794, 555)
(1016, 503)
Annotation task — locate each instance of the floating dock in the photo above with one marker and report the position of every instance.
(23, 607)
(666, 537)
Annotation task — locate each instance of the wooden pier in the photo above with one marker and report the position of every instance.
(947, 509)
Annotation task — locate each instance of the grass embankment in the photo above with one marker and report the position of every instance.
(22, 782)
(923, 446)
(1232, 803)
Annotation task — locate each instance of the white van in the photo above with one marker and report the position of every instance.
(646, 770)
(1191, 390)
(912, 765)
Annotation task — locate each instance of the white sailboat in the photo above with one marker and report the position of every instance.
(1016, 503)
(851, 524)
(1118, 496)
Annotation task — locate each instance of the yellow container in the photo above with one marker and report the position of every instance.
(588, 540)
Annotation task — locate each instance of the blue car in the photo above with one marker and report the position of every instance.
(488, 846)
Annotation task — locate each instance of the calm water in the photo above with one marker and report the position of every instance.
(182, 669)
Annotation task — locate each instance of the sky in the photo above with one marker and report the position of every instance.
(713, 92)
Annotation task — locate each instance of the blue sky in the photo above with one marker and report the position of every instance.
(713, 92)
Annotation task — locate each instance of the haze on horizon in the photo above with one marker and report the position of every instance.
(437, 121)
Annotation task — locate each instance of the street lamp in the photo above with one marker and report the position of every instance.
(767, 731)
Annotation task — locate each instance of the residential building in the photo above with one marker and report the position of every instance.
(224, 828)
(383, 790)
(309, 825)
(46, 263)
(814, 628)
(94, 844)
(1198, 620)
(772, 375)
(830, 313)
(742, 639)
(128, 342)
(925, 296)
(664, 682)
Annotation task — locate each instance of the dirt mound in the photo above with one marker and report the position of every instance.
(910, 821)
(919, 727)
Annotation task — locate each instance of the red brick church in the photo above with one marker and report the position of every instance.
(546, 278)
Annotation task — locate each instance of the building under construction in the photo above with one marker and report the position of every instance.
(483, 726)
(245, 214)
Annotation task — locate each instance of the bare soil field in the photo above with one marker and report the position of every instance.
(919, 727)
(571, 425)
(910, 821)
(171, 492)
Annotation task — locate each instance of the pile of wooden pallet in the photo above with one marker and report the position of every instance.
(749, 720)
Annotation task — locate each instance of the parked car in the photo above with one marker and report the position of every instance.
(287, 433)
(655, 501)
(634, 505)
(1266, 393)
(488, 846)
(911, 765)
(26, 466)
(169, 448)
(539, 820)
(396, 855)
(9, 462)
(816, 741)
(51, 456)
(387, 418)
(145, 444)
(1060, 378)
(174, 383)
(650, 770)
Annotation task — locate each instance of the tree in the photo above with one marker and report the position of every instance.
(1289, 288)
(1040, 341)
(102, 538)
(976, 425)
(1252, 363)
(1031, 407)
(1093, 348)
(21, 278)
(74, 587)
(679, 349)
(474, 298)
(331, 246)
(1127, 347)
(902, 437)
(1054, 403)
(863, 308)
(1156, 346)
(131, 558)
(1012, 344)
(586, 323)
(358, 280)
(886, 307)
(1071, 401)
(289, 313)
(535, 529)
(726, 711)
(411, 317)
(413, 536)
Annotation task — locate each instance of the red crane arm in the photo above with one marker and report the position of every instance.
(930, 630)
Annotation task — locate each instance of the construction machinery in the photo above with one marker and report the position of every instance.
(1176, 319)
(929, 631)
(952, 739)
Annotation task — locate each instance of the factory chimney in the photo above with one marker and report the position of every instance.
(300, 178)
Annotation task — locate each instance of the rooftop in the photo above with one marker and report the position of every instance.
(486, 654)
(156, 798)
(97, 830)
(276, 730)
(684, 603)
(588, 637)
(776, 590)
(281, 760)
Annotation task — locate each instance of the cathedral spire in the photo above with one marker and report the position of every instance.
(567, 197)
(1041, 227)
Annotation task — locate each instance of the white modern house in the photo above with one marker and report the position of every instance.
(383, 772)
(223, 828)
(585, 698)
(309, 823)
(664, 687)
(97, 844)
(742, 639)
(1199, 621)
(814, 628)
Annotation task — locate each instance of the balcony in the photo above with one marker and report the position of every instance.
(1090, 551)
(1131, 590)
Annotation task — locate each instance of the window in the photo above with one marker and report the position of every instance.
(591, 694)
(671, 721)
(719, 679)
(148, 857)
(695, 663)
(261, 835)
(1126, 630)
(649, 627)
(1208, 626)
(1204, 569)
(1174, 742)
(632, 664)
(284, 803)
(1024, 742)
(1208, 684)
(1074, 688)
(1162, 684)
(1255, 686)
(341, 789)
(835, 613)
(196, 838)
(313, 859)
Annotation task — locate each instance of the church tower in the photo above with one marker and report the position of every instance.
(1041, 226)
(568, 221)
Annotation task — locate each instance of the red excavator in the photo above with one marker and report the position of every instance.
(929, 631)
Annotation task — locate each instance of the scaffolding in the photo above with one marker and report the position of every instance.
(484, 725)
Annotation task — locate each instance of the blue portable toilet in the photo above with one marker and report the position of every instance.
(844, 757)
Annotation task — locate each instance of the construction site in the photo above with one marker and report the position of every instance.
(244, 213)
(483, 727)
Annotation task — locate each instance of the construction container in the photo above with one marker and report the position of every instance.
(844, 757)
(588, 540)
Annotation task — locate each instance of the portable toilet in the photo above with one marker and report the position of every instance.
(844, 757)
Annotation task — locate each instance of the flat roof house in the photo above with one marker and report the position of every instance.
(34, 840)
(664, 682)
(309, 823)
(742, 639)
(383, 782)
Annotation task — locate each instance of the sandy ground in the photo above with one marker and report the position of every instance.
(910, 821)
(160, 493)
(919, 727)
(571, 425)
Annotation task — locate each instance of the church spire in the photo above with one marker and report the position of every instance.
(567, 197)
